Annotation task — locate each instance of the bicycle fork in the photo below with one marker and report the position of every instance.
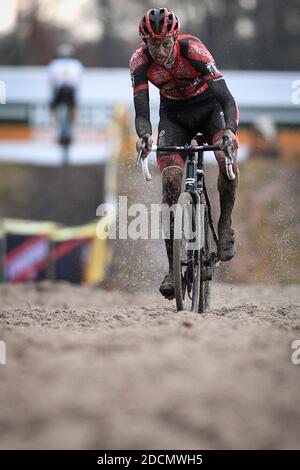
(194, 185)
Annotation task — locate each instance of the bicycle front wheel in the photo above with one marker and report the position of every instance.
(205, 263)
(187, 255)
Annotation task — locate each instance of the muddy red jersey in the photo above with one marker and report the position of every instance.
(193, 67)
(193, 76)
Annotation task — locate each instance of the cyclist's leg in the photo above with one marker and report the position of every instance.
(171, 167)
(68, 97)
(55, 100)
(71, 102)
(56, 110)
(227, 189)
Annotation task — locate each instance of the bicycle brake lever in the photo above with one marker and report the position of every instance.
(145, 168)
(140, 152)
(139, 156)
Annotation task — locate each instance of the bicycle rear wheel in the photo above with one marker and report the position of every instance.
(187, 267)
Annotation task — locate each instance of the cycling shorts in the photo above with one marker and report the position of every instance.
(63, 94)
(181, 121)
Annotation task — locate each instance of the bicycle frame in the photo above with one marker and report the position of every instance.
(194, 184)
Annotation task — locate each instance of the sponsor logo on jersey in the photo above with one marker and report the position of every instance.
(137, 60)
(158, 76)
(212, 69)
(199, 52)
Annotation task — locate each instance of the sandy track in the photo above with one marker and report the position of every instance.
(88, 368)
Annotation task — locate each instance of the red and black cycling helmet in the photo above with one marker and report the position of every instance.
(158, 23)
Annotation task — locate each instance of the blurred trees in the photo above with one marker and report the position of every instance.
(33, 42)
(241, 34)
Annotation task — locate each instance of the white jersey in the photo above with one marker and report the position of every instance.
(65, 71)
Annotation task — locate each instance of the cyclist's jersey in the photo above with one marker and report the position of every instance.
(65, 71)
(193, 76)
(193, 66)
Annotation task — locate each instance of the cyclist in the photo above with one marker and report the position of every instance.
(65, 73)
(193, 98)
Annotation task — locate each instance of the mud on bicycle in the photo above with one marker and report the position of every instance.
(195, 260)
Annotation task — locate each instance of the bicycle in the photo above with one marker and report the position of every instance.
(194, 260)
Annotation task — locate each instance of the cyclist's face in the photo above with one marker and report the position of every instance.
(161, 50)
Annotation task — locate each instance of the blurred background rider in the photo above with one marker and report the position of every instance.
(65, 73)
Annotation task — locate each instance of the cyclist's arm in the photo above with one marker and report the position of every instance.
(80, 71)
(139, 79)
(227, 102)
(51, 73)
(142, 113)
(203, 62)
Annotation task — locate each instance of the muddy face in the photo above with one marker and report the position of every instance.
(162, 51)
